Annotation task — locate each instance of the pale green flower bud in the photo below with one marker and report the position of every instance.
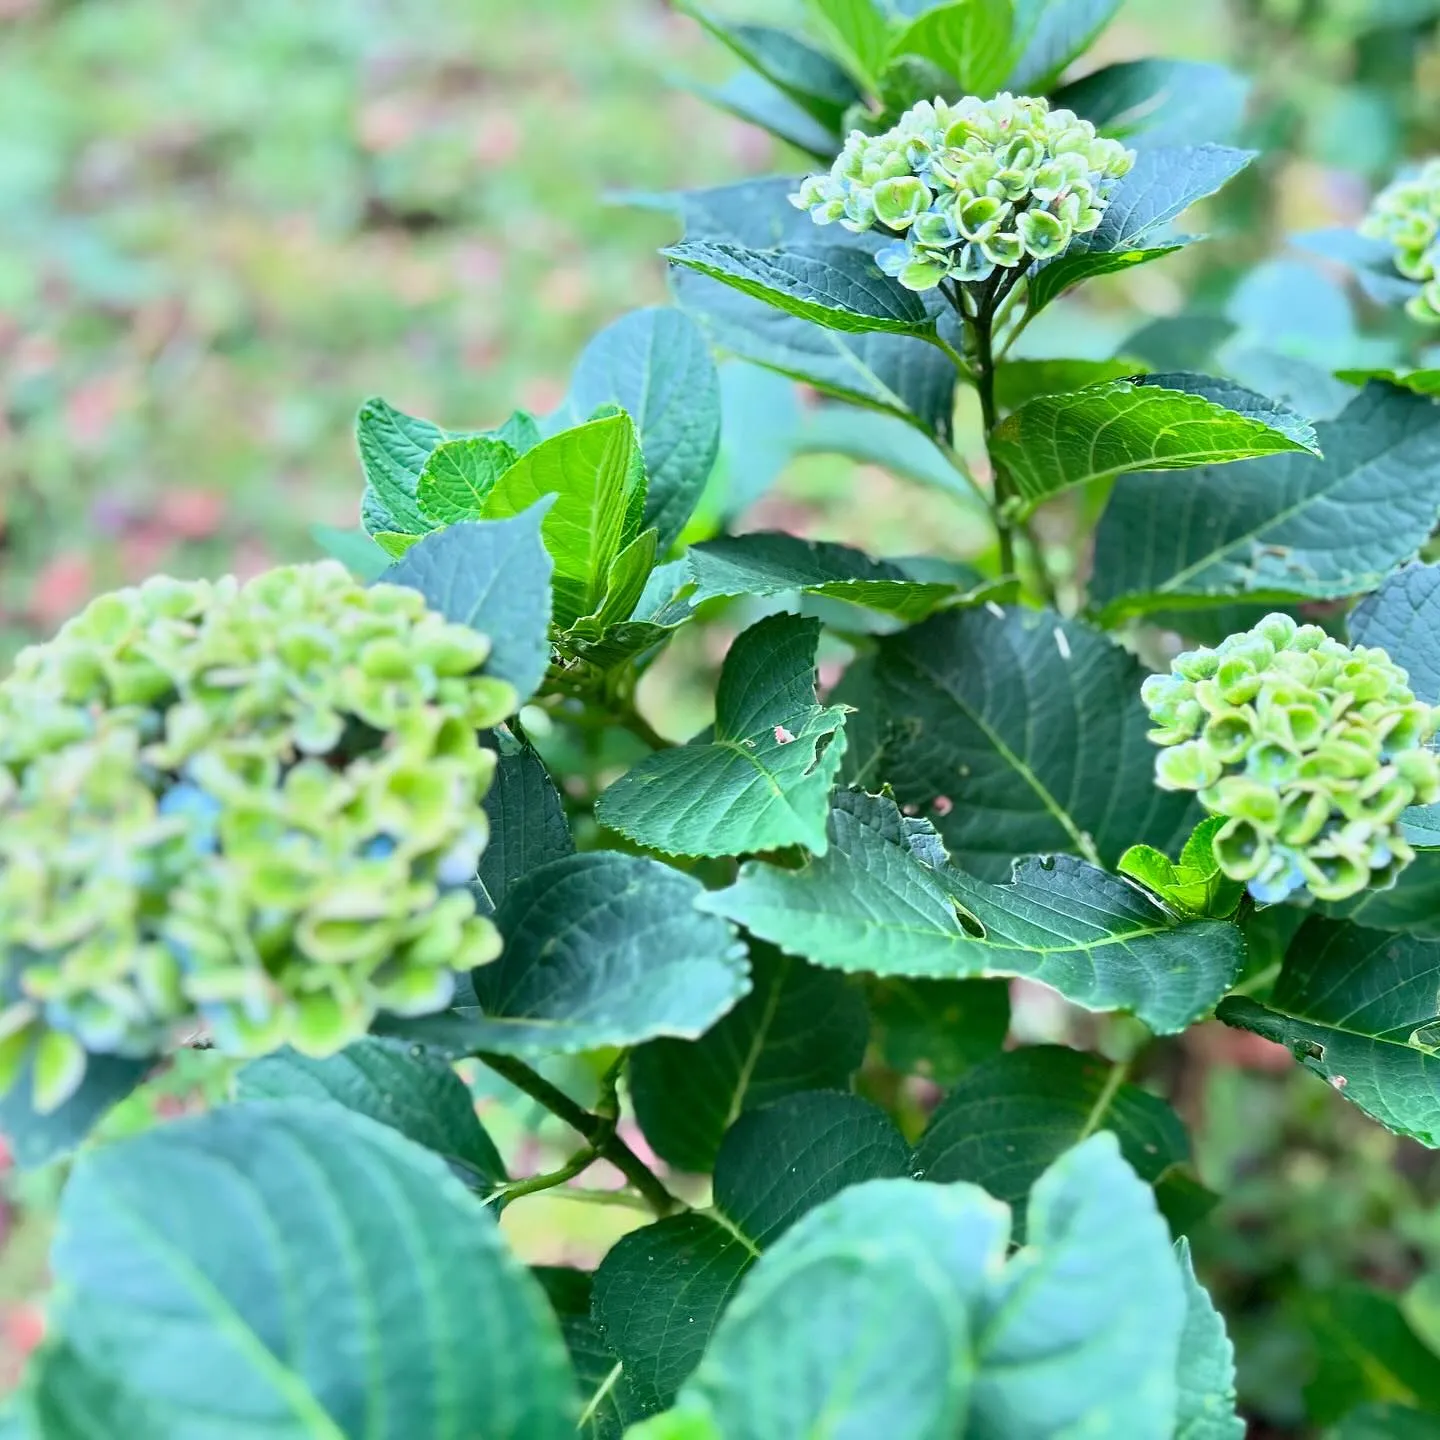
(1310, 748)
(1406, 214)
(1011, 178)
(253, 810)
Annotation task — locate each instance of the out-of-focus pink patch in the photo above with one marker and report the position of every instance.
(60, 589)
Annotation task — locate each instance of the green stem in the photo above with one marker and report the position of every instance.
(579, 1162)
(1119, 1073)
(598, 1130)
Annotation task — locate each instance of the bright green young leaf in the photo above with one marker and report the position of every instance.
(1164, 182)
(655, 364)
(1049, 34)
(1421, 382)
(1160, 422)
(883, 900)
(528, 827)
(1207, 1365)
(1148, 103)
(968, 39)
(1365, 1351)
(938, 1028)
(800, 72)
(665, 604)
(596, 476)
(600, 949)
(419, 1095)
(35, 1139)
(395, 544)
(1194, 886)
(660, 1290)
(1017, 381)
(459, 474)
(770, 562)
(1289, 526)
(604, 1404)
(624, 585)
(1012, 1117)
(757, 102)
(354, 549)
(798, 1029)
(1020, 734)
(394, 447)
(857, 32)
(760, 779)
(1359, 1008)
(493, 575)
(1402, 617)
(837, 286)
(285, 1268)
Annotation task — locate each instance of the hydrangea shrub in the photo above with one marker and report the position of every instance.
(384, 827)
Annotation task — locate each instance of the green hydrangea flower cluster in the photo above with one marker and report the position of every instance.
(972, 187)
(253, 809)
(1310, 748)
(1407, 215)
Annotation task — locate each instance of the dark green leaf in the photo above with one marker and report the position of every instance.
(1386, 1422)
(757, 102)
(394, 447)
(1282, 527)
(1017, 381)
(655, 365)
(769, 562)
(761, 778)
(1411, 904)
(1359, 1008)
(528, 828)
(1049, 34)
(884, 901)
(660, 1291)
(596, 477)
(803, 74)
(798, 1029)
(1403, 618)
(837, 286)
(1179, 342)
(1022, 734)
(876, 438)
(419, 1095)
(1159, 102)
(602, 1395)
(1159, 422)
(35, 1139)
(459, 474)
(495, 577)
(600, 949)
(938, 1028)
(968, 39)
(291, 1268)
(1009, 1119)
(1207, 1366)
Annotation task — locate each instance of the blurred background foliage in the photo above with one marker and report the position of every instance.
(225, 222)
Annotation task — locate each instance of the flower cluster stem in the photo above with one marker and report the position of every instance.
(597, 1129)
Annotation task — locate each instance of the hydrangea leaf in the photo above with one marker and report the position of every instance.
(655, 364)
(603, 1400)
(773, 563)
(493, 575)
(393, 448)
(800, 72)
(837, 286)
(1207, 1365)
(1164, 181)
(595, 474)
(1018, 381)
(884, 900)
(1013, 1116)
(665, 604)
(1411, 904)
(528, 827)
(1077, 1333)
(35, 1138)
(760, 779)
(968, 39)
(1021, 734)
(1148, 103)
(1359, 1008)
(1288, 526)
(1158, 422)
(1049, 34)
(459, 474)
(600, 949)
(798, 1029)
(355, 549)
(1193, 886)
(418, 1095)
(1402, 617)
(1386, 1422)
(661, 1289)
(1422, 382)
(177, 1249)
(858, 33)
(756, 101)
(939, 1029)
